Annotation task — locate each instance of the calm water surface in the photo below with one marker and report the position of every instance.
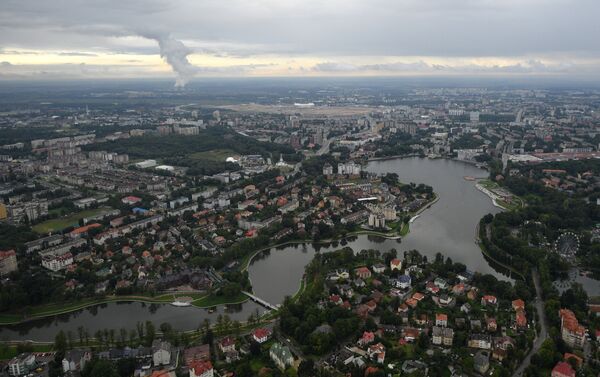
(447, 227)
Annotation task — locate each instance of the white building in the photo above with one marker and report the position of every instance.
(161, 353)
(376, 220)
(146, 164)
(57, 262)
(349, 168)
(21, 365)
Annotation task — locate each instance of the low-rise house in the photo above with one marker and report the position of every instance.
(379, 268)
(459, 289)
(489, 300)
(227, 344)
(363, 272)
(410, 334)
(402, 282)
(261, 334)
(441, 319)
(201, 369)
(161, 352)
(440, 283)
(377, 352)
(480, 341)
(481, 361)
(442, 336)
(367, 338)
(198, 353)
(75, 360)
(563, 369)
(395, 264)
(281, 355)
(518, 305)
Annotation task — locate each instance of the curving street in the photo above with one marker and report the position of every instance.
(543, 335)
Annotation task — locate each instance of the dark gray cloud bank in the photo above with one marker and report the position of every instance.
(545, 36)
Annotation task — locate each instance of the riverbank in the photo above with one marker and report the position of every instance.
(200, 301)
(390, 236)
(479, 242)
(384, 158)
(487, 187)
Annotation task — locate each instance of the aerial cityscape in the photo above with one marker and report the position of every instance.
(258, 188)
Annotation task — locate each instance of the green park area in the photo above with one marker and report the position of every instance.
(515, 202)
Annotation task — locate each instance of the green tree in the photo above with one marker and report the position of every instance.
(60, 342)
(150, 333)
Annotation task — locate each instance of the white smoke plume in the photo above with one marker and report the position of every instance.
(175, 53)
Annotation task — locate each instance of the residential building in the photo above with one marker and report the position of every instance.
(481, 361)
(563, 369)
(395, 264)
(442, 336)
(363, 272)
(201, 369)
(227, 344)
(441, 319)
(161, 352)
(281, 355)
(21, 365)
(480, 341)
(75, 360)
(8, 262)
(571, 331)
(198, 353)
(261, 335)
(57, 262)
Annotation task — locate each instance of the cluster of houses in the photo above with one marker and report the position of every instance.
(161, 359)
(456, 305)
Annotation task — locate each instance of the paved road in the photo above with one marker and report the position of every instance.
(543, 335)
(325, 148)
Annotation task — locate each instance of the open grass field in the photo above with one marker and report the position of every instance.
(56, 225)
(209, 301)
(215, 155)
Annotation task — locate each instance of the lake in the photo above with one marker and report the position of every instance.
(448, 227)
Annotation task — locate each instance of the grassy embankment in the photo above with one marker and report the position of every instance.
(48, 310)
(514, 204)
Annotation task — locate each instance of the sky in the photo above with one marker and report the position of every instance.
(183, 39)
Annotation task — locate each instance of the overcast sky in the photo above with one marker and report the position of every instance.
(187, 38)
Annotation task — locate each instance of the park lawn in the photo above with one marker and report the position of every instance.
(213, 300)
(219, 155)
(9, 318)
(516, 203)
(8, 352)
(55, 225)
